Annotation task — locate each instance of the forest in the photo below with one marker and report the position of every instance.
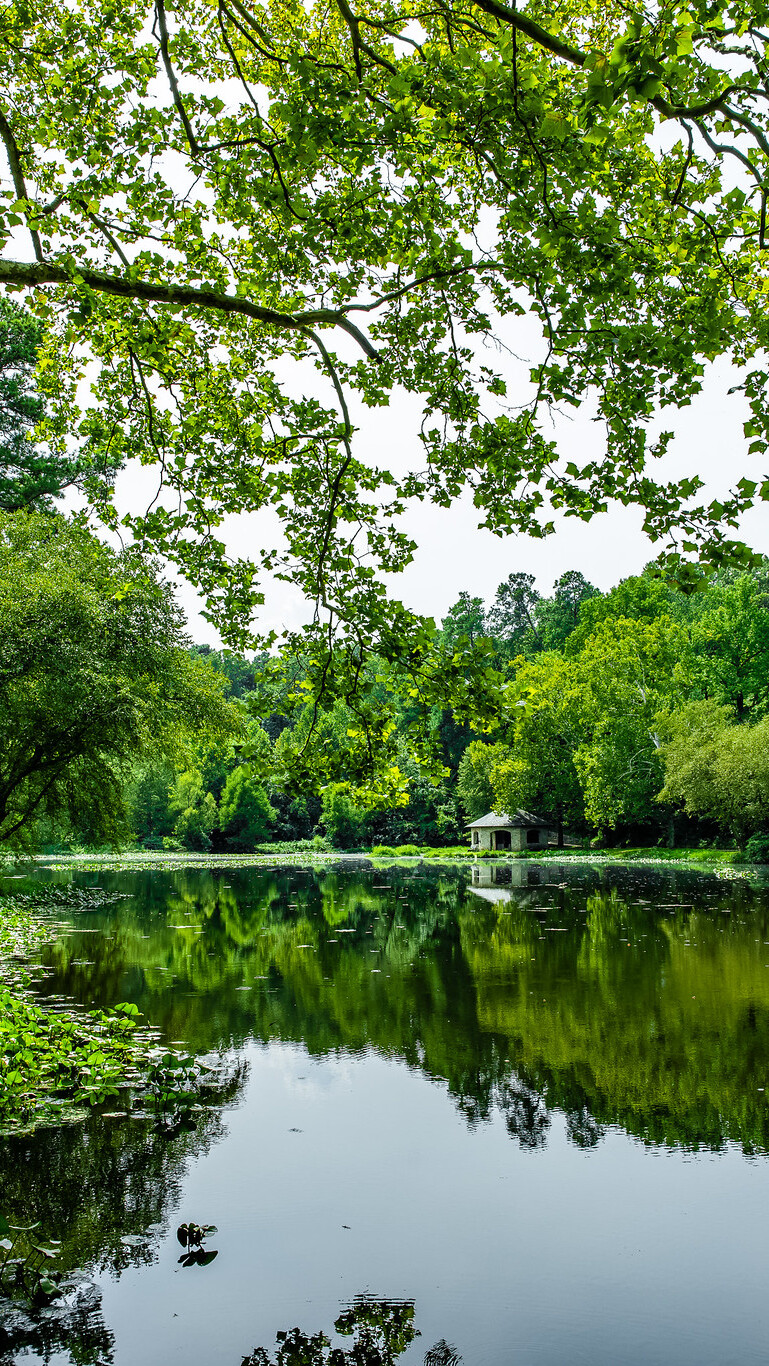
(635, 716)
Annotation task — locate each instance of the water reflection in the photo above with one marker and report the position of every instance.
(106, 1188)
(74, 1330)
(585, 1003)
(380, 1330)
(641, 1002)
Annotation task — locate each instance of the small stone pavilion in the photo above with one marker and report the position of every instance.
(497, 830)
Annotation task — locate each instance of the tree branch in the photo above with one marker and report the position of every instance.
(50, 273)
(19, 184)
(160, 11)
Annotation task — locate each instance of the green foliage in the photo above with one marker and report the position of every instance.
(578, 734)
(194, 810)
(31, 475)
(25, 1263)
(538, 772)
(717, 769)
(757, 849)
(245, 814)
(730, 640)
(559, 616)
(482, 171)
(343, 821)
(627, 672)
(238, 671)
(93, 675)
(51, 1061)
(475, 779)
(513, 616)
(55, 1061)
(149, 805)
(464, 622)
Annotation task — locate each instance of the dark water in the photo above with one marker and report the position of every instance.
(527, 1122)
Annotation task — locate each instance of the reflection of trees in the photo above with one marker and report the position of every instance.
(380, 1330)
(582, 998)
(658, 1021)
(75, 1327)
(105, 1187)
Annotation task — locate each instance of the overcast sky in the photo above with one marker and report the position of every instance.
(454, 554)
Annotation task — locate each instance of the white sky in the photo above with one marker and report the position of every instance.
(454, 554)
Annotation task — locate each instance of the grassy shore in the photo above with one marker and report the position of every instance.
(274, 854)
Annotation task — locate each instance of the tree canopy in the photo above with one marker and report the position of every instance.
(245, 220)
(93, 674)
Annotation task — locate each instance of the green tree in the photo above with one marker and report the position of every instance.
(627, 674)
(716, 769)
(94, 675)
(642, 597)
(538, 771)
(245, 813)
(236, 668)
(31, 472)
(513, 615)
(475, 786)
(730, 639)
(149, 804)
(558, 616)
(344, 822)
(194, 811)
(465, 621)
(211, 204)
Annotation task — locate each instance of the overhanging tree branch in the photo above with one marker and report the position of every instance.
(34, 274)
(19, 183)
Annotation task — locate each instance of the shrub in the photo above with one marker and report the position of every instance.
(757, 848)
(341, 817)
(245, 813)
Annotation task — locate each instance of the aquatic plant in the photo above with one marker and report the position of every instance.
(193, 1236)
(24, 1264)
(56, 1059)
(174, 1083)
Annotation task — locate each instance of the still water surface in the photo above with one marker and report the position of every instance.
(517, 1120)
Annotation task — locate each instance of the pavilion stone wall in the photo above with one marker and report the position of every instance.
(518, 839)
(484, 839)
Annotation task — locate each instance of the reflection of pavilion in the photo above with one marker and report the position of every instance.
(494, 882)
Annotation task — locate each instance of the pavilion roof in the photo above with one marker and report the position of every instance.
(499, 820)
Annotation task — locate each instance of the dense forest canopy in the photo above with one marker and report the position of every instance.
(241, 221)
(640, 715)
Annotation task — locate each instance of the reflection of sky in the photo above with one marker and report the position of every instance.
(617, 1255)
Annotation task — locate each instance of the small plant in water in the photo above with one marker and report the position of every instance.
(174, 1086)
(193, 1236)
(23, 1263)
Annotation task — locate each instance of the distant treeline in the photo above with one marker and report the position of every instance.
(635, 715)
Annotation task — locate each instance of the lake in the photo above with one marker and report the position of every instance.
(504, 1114)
